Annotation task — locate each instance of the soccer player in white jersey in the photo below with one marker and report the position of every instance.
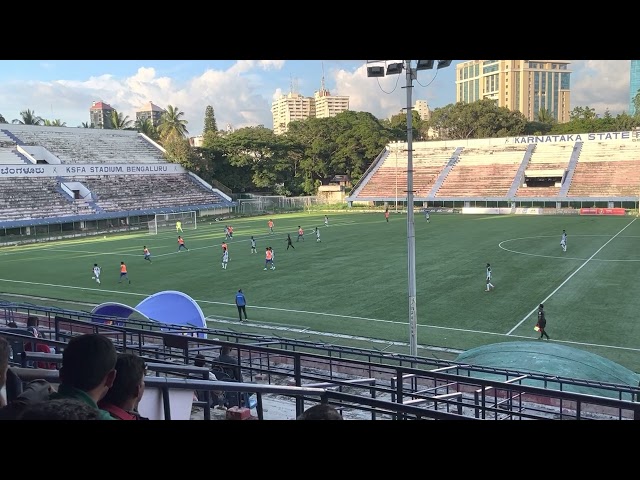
(96, 273)
(563, 241)
(489, 284)
(147, 253)
(326, 221)
(317, 234)
(253, 245)
(225, 259)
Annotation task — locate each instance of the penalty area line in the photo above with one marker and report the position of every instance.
(569, 277)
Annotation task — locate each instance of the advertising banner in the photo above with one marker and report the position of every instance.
(603, 211)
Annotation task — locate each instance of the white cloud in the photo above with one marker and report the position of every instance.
(242, 66)
(241, 95)
(601, 85)
(232, 94)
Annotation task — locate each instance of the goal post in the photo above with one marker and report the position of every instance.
(168, 222)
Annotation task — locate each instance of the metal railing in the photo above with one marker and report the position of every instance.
(427, 386)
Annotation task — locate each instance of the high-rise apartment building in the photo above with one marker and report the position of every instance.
(328, 105)
(100, 115)
(150, 111)
(527, 86)
(634, 84)
(294, 106)
(289, 108)
(422, 107)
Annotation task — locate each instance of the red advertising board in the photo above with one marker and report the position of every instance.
(602, 211)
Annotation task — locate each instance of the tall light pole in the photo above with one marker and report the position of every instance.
(411, 73)
(396, 150)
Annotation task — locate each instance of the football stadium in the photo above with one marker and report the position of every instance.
(327, 315)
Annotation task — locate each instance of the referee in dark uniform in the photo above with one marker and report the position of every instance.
(542, 322)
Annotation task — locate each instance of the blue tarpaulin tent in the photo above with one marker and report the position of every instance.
(170, 307)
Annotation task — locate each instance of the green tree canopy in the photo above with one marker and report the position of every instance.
(481, 119)
(209, 121)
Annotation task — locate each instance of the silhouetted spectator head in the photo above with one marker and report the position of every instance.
(32, 325)
(200, 360)
(128, 387)
(12, 325)
(60, 409)
(322, 411)
(88, 364)
(5, 351)
(225, 350)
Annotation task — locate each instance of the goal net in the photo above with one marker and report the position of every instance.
(167, 222)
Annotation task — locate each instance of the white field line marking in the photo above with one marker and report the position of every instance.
(500, 245)
(102, 290)
(569, 277)
(91, 253)
(277, 326)
(231, 242)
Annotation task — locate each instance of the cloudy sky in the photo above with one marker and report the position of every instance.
(241, 91)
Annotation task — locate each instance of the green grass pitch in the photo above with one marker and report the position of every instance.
(352, 287)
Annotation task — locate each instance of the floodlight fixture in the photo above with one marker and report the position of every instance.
(375, 71)
(443, 64)
(394, 68)
(424, 64)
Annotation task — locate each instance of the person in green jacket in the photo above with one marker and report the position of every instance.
(88, 370)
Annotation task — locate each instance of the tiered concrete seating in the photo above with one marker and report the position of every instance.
(8, 156)
(390, 179)
(8, 152)
(141, 192)
(607, 169)
(26, 198)
(485, 171)
(89, 145)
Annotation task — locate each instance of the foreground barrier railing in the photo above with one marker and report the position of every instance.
(443, 387)
(321, 395)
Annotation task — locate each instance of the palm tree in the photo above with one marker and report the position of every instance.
(171, 123)
(545, 116)
(85, 125)
(119, 122)
(2, 119)
(55, 123)
(146, 126)
(28, 118)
